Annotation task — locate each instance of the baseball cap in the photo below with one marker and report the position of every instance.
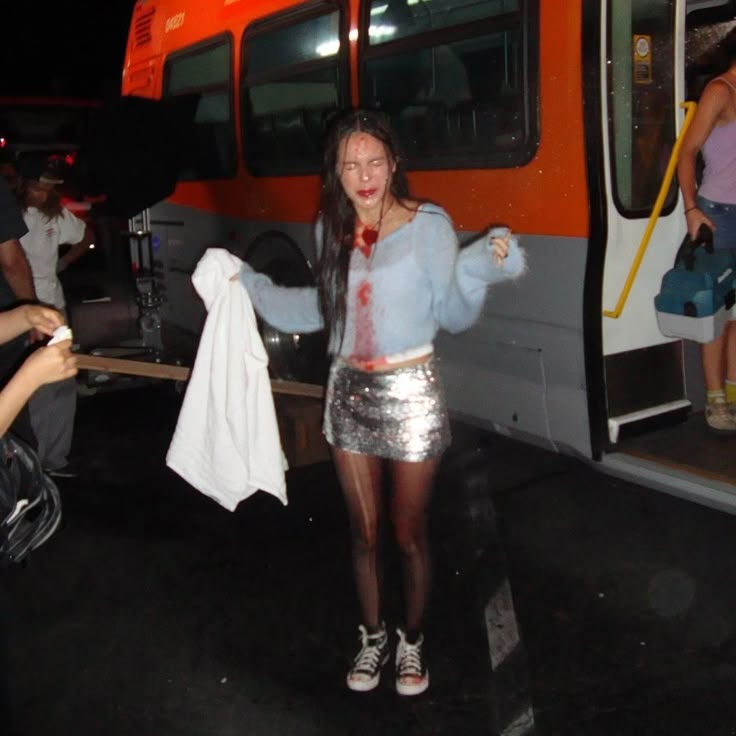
(48, 177)
(35, 167)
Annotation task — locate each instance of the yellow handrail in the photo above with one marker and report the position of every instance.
(690, 108)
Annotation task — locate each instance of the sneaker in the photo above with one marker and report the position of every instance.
(365, 674)
(719, 418)
(412, 675)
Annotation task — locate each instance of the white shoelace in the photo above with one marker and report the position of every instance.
(719, 408)
(369, 658)
(409, 659)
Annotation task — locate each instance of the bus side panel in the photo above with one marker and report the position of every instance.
(291, 199)
(181, 235)
(520, 369)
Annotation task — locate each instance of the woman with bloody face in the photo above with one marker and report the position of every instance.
(391, 273)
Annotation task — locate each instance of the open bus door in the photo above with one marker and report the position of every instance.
(655, 433)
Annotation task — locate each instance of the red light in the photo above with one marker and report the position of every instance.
(69, 159)
(3, 142)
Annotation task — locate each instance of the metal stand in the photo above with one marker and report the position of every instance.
(148, 347)
(149, 299)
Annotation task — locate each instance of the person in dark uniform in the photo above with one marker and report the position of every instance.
(16, 287)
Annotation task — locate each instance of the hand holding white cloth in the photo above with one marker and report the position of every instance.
(226, 443)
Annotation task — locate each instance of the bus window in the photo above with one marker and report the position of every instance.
(457, 79)
(291, 83)
(205, 71)
(641, 102)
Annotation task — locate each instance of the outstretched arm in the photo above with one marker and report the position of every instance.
(46, 365)
(27, 317)
(287, 308)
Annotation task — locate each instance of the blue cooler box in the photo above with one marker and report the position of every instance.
(697, 295)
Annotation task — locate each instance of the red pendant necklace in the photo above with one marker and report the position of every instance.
(369, 234)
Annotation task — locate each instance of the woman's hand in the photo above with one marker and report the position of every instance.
(499, 245)
(50, 364)
(43, 319)
(695, 217)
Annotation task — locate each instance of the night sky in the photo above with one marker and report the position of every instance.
(73, 49)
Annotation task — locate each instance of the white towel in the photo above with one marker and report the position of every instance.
(226, 443)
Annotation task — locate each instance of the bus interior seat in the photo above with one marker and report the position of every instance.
(424, 127)
(262, 144)
(462, 123)
(315, 120)
(215, 147)
(427, 128)
(291, 134)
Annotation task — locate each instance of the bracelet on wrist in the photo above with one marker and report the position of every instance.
(690, 209)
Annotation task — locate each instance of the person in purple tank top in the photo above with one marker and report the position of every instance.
(713, 204)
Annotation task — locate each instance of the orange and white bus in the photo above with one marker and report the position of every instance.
(556, 118)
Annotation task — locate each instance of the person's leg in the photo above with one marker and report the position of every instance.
(41, 408)
(730, 354)
(360, 480)
(412, 489)
(730, 369)
(714, 355)
(53, 410)
(60, 423)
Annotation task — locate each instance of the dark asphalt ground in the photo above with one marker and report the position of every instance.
(155, 612)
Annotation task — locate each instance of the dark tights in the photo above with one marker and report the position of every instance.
(361, 481)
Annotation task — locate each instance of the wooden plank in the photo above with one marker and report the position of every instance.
(132, 367)
(172, 372)
(296, 388)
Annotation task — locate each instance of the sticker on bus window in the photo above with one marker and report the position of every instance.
(642, 59)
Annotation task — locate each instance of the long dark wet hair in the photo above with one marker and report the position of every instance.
(338, 213)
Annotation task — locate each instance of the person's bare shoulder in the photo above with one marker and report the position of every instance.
(717, 90)
(716, 104)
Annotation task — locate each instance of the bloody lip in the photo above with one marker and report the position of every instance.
(366, 192)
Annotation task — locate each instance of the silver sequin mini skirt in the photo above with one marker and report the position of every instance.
(398, 414)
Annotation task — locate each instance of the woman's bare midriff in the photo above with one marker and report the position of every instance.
(382, 364)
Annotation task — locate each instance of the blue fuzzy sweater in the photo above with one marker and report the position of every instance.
(416, 281)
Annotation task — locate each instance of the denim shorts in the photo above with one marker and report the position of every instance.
(723, 217)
